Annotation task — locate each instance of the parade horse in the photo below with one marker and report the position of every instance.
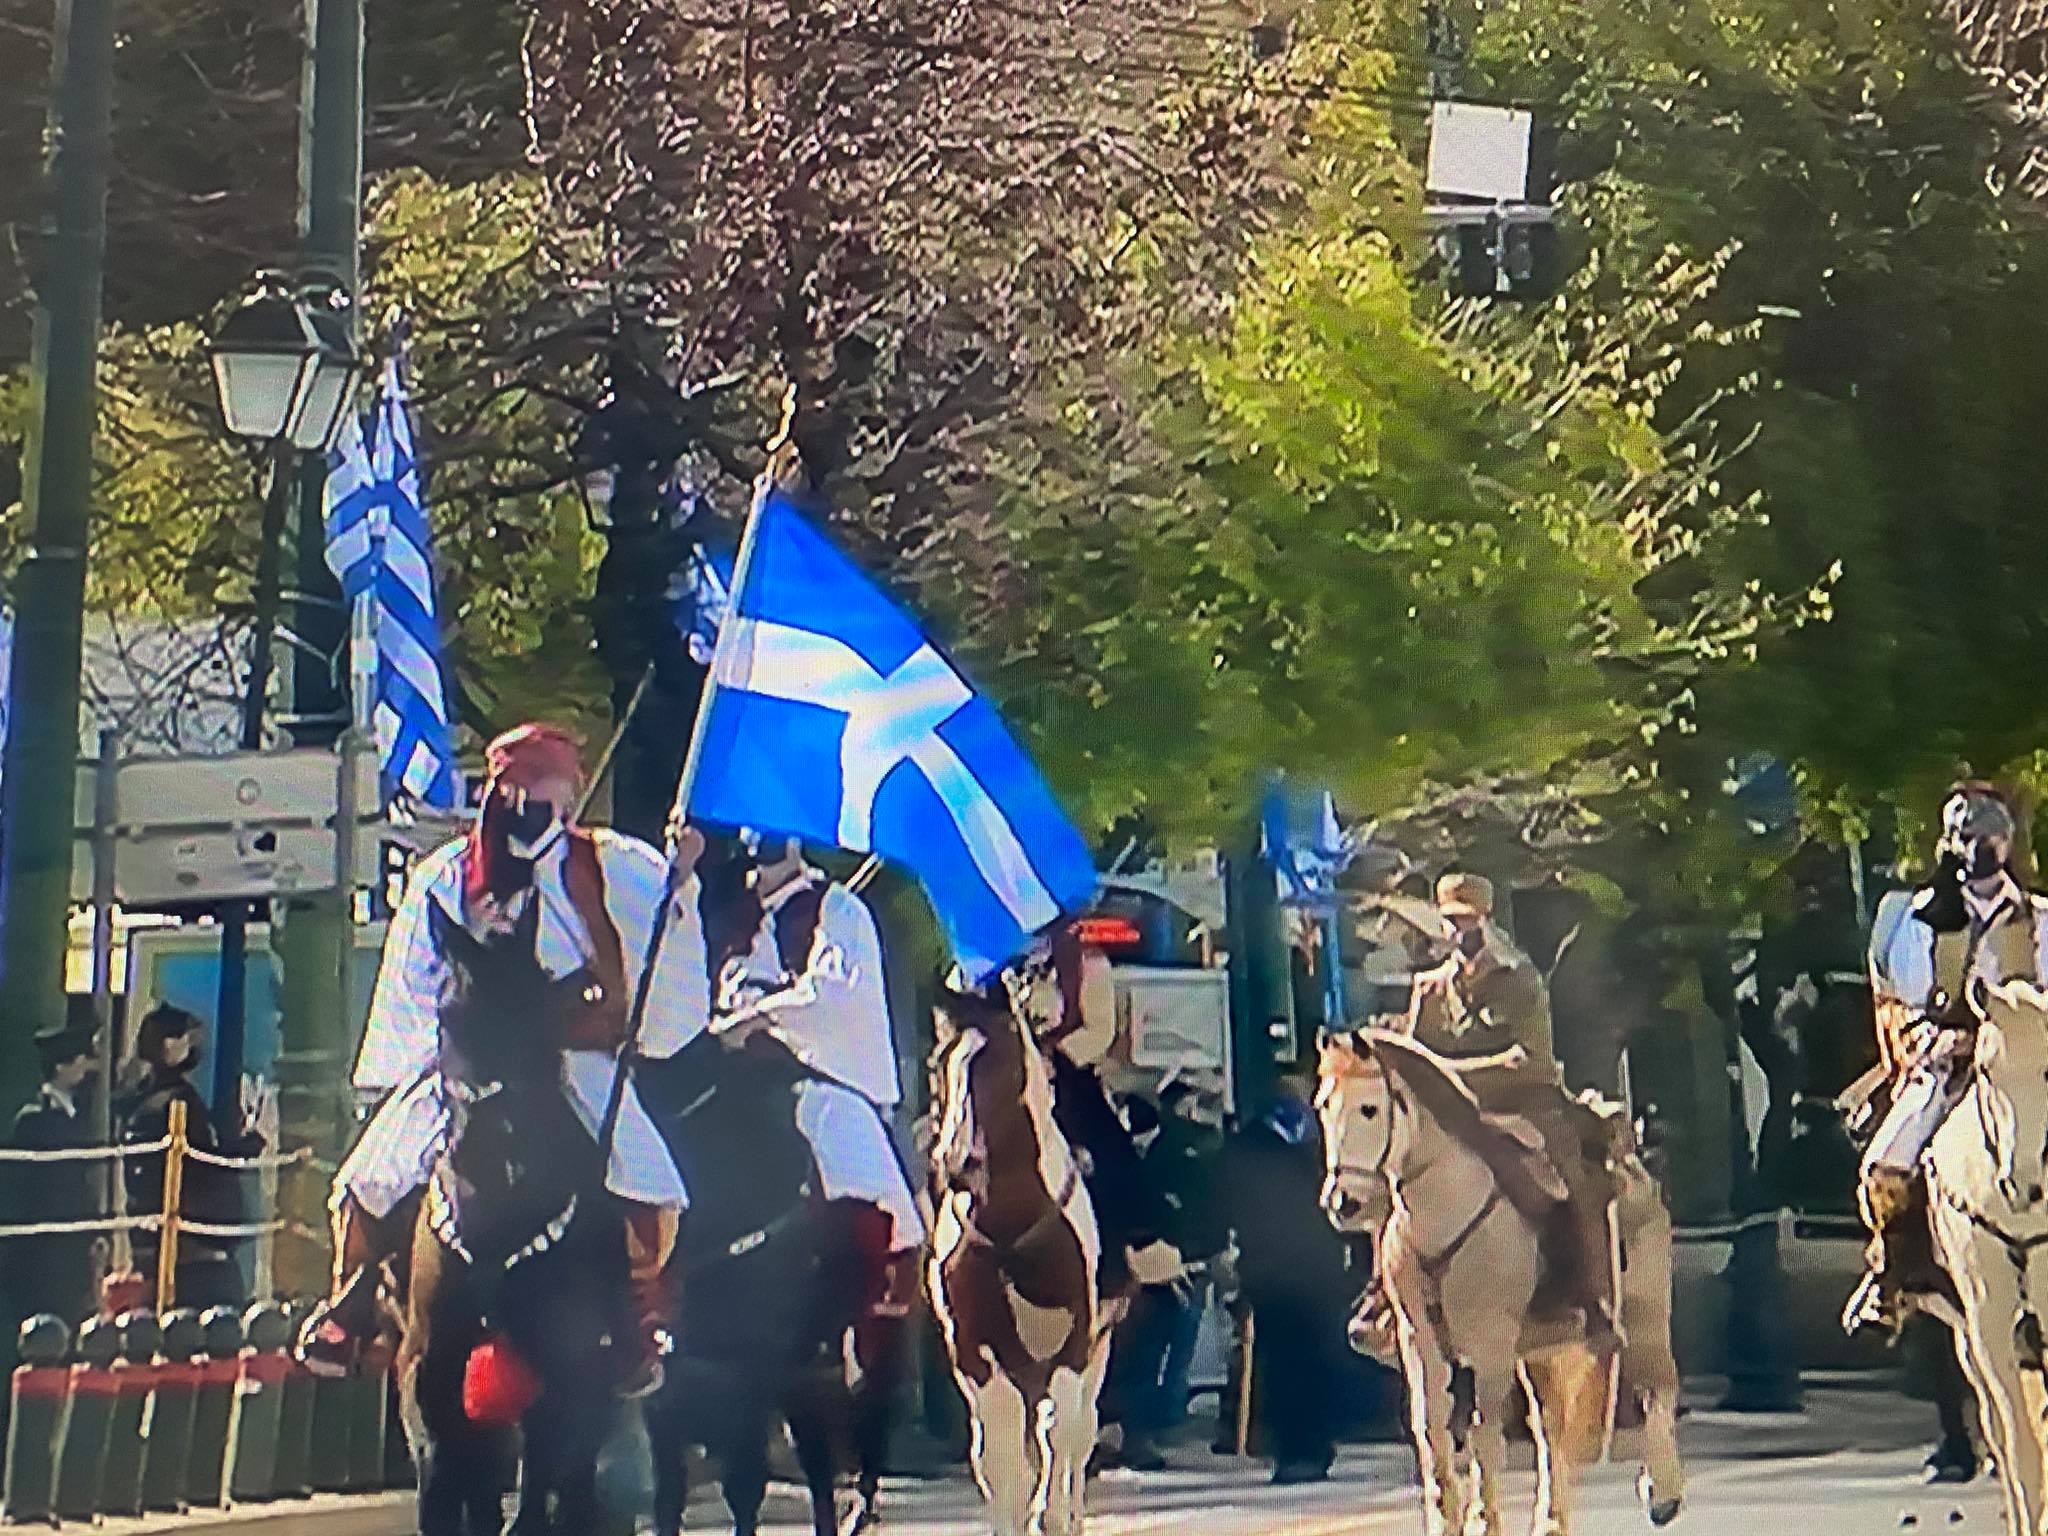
(764, 1311)
(1985, 1184)
(517, 1260)
(1411, 1155)
(1013, 1271)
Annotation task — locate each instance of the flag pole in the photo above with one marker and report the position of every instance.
(780, 469)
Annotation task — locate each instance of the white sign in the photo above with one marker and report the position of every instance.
(248, 824)
(1174, 1018)
(1479, 152)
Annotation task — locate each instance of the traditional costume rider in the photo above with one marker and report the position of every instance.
(598, 893)
(1489, 998)
(1972, 920)
(812, 978)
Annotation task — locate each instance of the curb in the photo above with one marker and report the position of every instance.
(339, 1514)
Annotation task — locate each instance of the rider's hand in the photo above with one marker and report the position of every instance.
(685, 846)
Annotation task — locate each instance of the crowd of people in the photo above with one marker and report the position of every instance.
(71, 1274)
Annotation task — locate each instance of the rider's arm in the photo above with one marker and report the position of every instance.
(837, 1020)
(402, 1039)
(679, 995)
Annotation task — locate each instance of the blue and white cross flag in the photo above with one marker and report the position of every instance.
(829, 716)
(380, 544)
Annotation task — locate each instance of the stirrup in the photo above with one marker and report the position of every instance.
(1871, 1307)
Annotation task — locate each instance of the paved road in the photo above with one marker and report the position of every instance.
(1848, 1466)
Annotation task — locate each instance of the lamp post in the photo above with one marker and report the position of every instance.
(286, 370)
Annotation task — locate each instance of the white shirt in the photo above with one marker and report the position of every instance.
(402, 1040)
(836, 1018)
(1903, 947)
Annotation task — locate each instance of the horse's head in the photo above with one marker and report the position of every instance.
(985, 1070)
(502, 1016)
(1355, 1099)
(2010, 1063)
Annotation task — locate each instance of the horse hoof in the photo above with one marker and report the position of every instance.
(860, 1518)
(1664, 1511)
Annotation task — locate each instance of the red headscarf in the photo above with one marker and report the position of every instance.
(524, 758)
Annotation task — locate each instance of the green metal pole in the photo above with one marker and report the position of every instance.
(313, 941)
(39, 772)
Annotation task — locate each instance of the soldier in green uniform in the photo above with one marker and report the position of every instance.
(1487, 999)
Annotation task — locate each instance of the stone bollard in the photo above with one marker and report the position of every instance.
(37, 1396)
(135, 1381)
(295, 1416)
(259, 1404)
(369, 1417)
(82, 1442)
(168, 1447)
(213, 1407)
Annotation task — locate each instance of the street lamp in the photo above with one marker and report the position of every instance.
(284, 364)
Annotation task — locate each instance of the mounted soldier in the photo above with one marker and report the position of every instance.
(802, 963)
(1489, 998)
(1973, 919)
(597, 893)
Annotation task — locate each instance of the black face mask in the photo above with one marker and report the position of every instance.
(529, 821)
(1979, 861)
(1471, 941)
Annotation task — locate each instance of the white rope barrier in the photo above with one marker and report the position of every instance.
(261, 1160)
(91, 1224)
(86, 1154)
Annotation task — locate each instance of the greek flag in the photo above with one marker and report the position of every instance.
(1305, 846)
(6, 665)
(380, 545)
(830, 716)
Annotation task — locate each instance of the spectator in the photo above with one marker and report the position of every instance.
(1186, 1162)
(56, 1273)
(167, 1045)
(1292, 1273)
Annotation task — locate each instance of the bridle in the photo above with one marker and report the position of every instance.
(1433, 1266)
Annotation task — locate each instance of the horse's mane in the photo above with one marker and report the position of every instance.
(1435, 1085)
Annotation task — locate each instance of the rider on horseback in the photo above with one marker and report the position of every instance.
(1489, 998)
(810, 962)
(1972, 919)
(598, 893)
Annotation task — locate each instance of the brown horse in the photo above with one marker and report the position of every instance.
(516, 1240)
(1015, 1255)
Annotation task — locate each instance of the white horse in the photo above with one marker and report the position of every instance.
(1015, 1254)
(1462, 1265)
(1986, 1193)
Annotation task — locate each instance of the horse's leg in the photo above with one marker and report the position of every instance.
(999, 1449)
(743, 1465)
(881, 1348)
(1651, 1370)
(1991, 1305)
(1428, 1375)
(809, 1411)
(669, 1456)
(1068, 1422)
(1544, 1390)
(1492, 1361)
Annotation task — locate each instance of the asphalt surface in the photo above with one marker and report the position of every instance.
(1850, 1463)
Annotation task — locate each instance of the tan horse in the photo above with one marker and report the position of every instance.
(1015, 1256)
(1462, 1267)
(1986, 1184)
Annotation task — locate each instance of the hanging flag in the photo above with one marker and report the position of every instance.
(1304, 844)
(6, 665)
(829, 716)
(707, 593)
(380, 546)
